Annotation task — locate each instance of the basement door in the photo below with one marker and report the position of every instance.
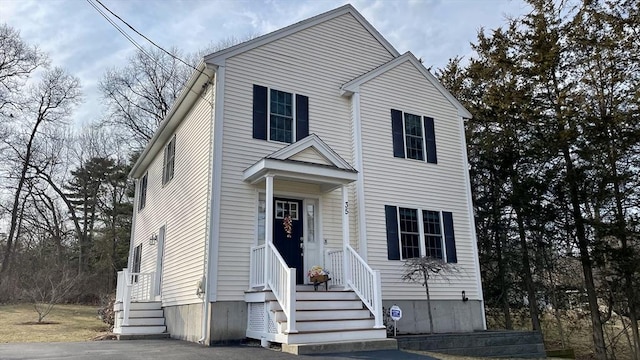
(288, 232)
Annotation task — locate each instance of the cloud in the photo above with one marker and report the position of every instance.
(80, 40)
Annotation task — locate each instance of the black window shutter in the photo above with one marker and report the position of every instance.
(398, 133)
(431, 140)
(393, 241)
(449, 237)
(259, 112)
(302, 117)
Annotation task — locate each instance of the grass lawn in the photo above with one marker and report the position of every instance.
(69, 323)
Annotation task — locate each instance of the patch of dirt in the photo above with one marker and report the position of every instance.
(38, 323)
(107, 336)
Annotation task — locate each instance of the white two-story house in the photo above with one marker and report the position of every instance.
(316, 144)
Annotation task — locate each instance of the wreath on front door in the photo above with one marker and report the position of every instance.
(286, 223)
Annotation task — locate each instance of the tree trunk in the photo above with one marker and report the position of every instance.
(16, 199)
(585, 257)
(426, 288)
(528, 278)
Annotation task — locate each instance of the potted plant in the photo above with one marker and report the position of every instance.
(317, 275)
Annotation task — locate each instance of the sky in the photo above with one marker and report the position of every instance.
(80, 40)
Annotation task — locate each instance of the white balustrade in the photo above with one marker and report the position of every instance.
(282, 281)
(358, 276)
(333, 263)
(133, 287)
(256, 277)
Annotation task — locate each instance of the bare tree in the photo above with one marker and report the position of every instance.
(421, 270)
(49, 101)
(139, 95)
(17, 61)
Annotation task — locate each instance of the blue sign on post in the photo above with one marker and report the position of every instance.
(395, 312)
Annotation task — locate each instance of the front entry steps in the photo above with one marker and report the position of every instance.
(327, 321)
(146, 321)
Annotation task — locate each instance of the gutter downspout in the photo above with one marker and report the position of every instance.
(203, 284)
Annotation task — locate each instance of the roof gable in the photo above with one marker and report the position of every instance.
(312, 144)
(218, 58)
(354, 85)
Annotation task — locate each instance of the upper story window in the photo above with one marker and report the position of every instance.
(413, 136)
(279, 116)
(169, 161)
(416, 233)
(142, 191)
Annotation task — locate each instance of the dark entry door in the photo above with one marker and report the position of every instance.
(288, 233)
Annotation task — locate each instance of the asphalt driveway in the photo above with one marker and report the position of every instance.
(173, 350)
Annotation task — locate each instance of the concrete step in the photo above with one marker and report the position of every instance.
(139, 330)
(329, 325)
(147, 305)
(328, 295)
(158, 321)
(143, 336)
(321, 305)
(306, 315)
(340, 347)
(331, 336)
(142, 314)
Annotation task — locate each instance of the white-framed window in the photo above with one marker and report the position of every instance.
(287, 207)
(281, 109)
(169, 161)
(413, 136)
(142, 191)
(136, 262)
(420, 233)
(279, 115)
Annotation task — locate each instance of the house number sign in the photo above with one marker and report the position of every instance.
(346, 207)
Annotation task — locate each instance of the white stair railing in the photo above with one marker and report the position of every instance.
(141, 286)
(366, 283)
(256, 276)
(282, 281)
(133, 287)
(333, 262)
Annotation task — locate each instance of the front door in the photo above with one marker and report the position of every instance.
(288, 233)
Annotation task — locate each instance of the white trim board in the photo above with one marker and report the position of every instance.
(353, 86)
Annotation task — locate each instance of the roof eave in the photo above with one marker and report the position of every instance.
(201, 72)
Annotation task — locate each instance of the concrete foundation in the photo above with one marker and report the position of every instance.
(184, 322)
(448, 316)
(228, 322)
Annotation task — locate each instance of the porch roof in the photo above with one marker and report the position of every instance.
(333, 172)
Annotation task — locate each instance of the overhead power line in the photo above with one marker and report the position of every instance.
(146, 38)
(140, 47)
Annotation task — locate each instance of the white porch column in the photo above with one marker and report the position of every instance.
(268, 242)
(345, 235)
(268, 225)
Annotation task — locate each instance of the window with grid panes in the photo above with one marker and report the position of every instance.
(414, 141)
(409, 233)
(281, 116)
(432, 233)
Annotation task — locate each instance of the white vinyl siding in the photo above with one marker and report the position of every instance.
(311, 156)
(315, 62)
(410, 184)
(181, 206)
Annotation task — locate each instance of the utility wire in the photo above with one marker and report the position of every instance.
(139, 47)
(146, 38)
